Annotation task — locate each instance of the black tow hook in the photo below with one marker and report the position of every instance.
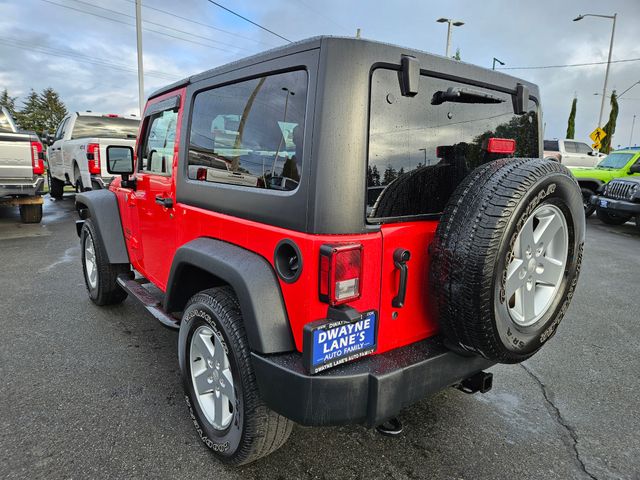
(390, 428)
(480, 382)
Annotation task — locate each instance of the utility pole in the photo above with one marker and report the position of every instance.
(140, 65)
(606, 75)
(449, 22)
(633, 123)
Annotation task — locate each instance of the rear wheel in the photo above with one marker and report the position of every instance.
(506, 257)
(221, 391)
(31, 213)
(589, 208)
(100, 276)
(612, 218)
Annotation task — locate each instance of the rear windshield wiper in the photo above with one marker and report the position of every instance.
(463, 95)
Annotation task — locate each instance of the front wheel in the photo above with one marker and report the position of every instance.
(589, 208)
(100, 276)
(612, 218)
(220, 385)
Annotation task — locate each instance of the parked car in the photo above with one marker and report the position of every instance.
(619, 200)
(21, 169)
(572, 153)
(309, 305)
(76, 149)
(616, 164)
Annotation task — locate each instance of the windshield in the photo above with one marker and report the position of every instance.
(105, 127)
(615, 160)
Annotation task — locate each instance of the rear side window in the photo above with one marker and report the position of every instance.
(250, 133)
(582, 148)
(420, 148)
(551, 145)
(570, 147)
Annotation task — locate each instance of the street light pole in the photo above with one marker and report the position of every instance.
(140, 65)
(449, 22)
(633, 123)
(606, 75)
(494, 63)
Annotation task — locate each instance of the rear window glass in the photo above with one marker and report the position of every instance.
(551, 145)
(250, 133)
(105, 127)
(420, 148)
(5, 126)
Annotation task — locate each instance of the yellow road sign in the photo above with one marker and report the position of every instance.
(597, 135)
(596, 146)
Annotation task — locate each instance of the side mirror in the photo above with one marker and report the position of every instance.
(120, 160)
(635, 168)
(592, 153)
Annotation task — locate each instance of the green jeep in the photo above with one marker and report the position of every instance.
(615, 165)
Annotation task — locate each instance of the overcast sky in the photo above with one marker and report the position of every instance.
(38, 36)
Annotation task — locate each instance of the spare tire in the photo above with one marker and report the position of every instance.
(506, 257)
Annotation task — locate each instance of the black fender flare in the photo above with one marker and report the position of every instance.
(251, 277)
(583, 180)
(105, 215)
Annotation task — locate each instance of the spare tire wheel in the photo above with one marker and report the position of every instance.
(506, 257)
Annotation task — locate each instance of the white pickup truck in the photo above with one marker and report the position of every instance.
(21, 169)
(79, 144)
(572, 153)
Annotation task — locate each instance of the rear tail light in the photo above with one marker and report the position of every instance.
(201, 174)
(93, 156)
(37, 158)
(340, 273)
(500, 145)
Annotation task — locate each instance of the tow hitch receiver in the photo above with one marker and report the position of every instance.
(390, 428)
(479, 382)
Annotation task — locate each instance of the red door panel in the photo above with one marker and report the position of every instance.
(414, 321)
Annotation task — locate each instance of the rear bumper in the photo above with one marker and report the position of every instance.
(28, 188)
(622, 206)
(370, 390)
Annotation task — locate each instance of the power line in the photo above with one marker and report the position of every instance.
(199, 23)
(250, 21)
(161, 25)
(569, 65)
(86, 59)
(130, 25)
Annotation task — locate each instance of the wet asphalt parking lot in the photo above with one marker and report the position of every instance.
(90, 392)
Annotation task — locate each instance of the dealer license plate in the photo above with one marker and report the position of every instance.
(328, 343)
(604, 203)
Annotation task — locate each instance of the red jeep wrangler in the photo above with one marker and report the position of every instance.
(337, 228)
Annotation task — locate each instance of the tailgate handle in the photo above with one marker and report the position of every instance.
(400, 259)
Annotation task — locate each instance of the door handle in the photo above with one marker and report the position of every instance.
(400, 259)
(166, 202)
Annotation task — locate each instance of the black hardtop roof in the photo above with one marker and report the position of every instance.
(318, 42)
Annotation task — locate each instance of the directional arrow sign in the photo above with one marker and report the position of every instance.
(597, 135)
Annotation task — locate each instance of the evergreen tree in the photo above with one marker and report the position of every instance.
(457, 55)
(8, 102)
(389, 176)
(53, 108)
(571, 124)
(41, 112)
(30, 117)
(610, 127)
(373, 176)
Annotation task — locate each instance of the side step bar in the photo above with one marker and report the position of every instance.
(134, 288)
